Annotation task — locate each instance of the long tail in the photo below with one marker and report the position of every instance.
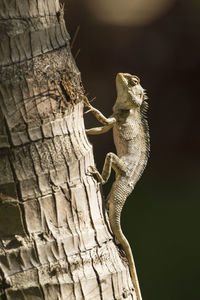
(114, 218)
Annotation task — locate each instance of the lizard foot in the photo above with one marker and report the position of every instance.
(92, 171)
(87, 103)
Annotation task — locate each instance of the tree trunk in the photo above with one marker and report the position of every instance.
(54, 238)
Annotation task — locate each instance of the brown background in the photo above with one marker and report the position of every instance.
(161, 218)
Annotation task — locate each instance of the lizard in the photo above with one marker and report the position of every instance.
(131, 138)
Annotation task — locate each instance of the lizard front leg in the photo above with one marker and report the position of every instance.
(99, 130)
(99, 116)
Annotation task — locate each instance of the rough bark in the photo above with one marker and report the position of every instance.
(54, 239)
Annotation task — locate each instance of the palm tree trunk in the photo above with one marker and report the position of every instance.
(54, 241)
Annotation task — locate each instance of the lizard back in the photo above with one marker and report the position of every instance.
(131, 138)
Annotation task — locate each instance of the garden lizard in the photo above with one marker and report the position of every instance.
(131, 138)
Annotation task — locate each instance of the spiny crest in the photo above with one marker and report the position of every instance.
(143, 112)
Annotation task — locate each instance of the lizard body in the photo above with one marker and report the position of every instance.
(131, 138)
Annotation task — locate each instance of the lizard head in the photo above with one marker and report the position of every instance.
(129, 91)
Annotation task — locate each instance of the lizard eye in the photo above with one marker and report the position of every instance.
(133, 81)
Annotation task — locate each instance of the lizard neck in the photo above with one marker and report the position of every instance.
(121, 103)
(123, 115)
(124, 103)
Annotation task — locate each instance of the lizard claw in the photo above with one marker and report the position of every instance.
(91, 170)
(89, 110)
(86, 102)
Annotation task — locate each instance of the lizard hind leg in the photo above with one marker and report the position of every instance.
(113, 161)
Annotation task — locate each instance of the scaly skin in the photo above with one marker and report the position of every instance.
(131, 137)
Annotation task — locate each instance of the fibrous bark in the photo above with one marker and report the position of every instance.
(54, 241)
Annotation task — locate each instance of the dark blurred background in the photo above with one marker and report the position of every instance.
(158, 40)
